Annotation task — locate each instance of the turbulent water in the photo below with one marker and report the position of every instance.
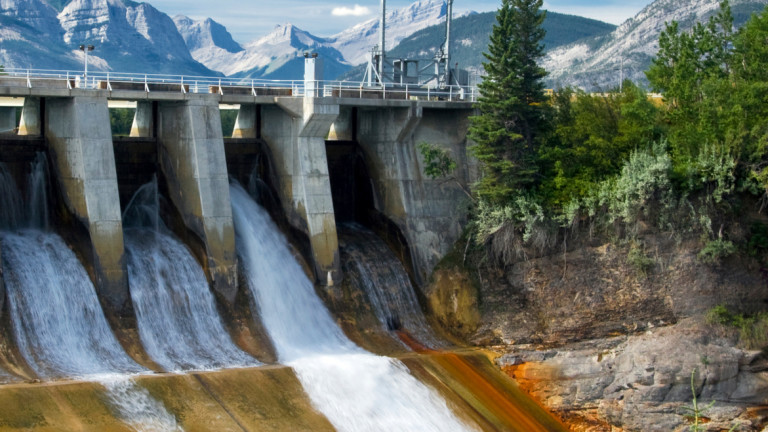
(373, 267)
(139, 409)
(353, 388)
(57, 321)
(179, 325)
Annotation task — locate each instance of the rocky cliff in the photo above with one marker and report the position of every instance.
(607, 339)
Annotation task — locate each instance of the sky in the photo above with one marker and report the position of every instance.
(251, 19)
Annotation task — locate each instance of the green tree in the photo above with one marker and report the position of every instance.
(749, 110)
(592, 138)
(511, 104)
(692, 70)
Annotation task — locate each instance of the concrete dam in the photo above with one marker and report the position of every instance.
(178, 279)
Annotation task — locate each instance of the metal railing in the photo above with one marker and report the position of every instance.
(112, 81)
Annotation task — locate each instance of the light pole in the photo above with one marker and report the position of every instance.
(85, 49)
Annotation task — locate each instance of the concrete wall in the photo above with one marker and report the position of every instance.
(295, 131)
(193, 161)
(7, 119)
(80, 141)
(430, 213)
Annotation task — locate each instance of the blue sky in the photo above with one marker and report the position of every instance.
(249, 19)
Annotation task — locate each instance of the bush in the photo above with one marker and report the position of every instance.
(716, 250)
(753, 329)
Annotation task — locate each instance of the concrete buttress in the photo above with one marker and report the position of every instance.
(193, 161)
(143, 120)
(295, 131)
(30, 117)
(80, 140)
(430, 213)
(245, 124)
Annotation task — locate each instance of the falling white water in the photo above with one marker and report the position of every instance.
(57, 321)
(355, 390)
(137, 407)
(179, 325)
(373, 267)
(37, 187)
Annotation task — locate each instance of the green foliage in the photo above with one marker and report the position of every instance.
(593, 136)
(437, 161)
(695, 413)
(753, 329)
(522, 210)
(511, 103)
(121, 120)
(715, 250)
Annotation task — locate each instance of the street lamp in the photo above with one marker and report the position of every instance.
(85, 49)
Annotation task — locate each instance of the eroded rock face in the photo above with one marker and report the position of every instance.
(643, 382)
(597, 291)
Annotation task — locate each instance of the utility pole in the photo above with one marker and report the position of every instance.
(85, 49)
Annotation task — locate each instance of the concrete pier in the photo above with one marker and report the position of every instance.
(246, 122)
(193, 161)
(430, 213)
(30, 117)
(143, 120)
(7, 119)
(295, 131)
(80, 141)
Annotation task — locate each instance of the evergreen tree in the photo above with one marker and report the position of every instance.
(511, 104)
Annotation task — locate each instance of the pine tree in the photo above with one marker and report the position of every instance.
(511, 104)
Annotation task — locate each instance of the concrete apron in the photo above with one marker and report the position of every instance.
(268, 398)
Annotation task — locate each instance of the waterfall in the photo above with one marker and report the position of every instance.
(355, 390)
(56, 319)
(37, 187)
(373, 267)
(179, 325)
(58, 323)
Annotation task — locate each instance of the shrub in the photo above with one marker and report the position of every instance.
(753, 329)
(716, 250)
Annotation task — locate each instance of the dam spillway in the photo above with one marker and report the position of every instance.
(321, 380)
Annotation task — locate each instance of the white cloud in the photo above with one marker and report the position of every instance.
(357, 10)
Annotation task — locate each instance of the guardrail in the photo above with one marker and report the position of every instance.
(222, 85)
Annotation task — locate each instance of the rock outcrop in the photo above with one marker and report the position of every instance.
(643, 382)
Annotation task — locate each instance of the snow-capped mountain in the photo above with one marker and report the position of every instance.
(128, 36)
(356, 42)
(280, 53)
(598, 63)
